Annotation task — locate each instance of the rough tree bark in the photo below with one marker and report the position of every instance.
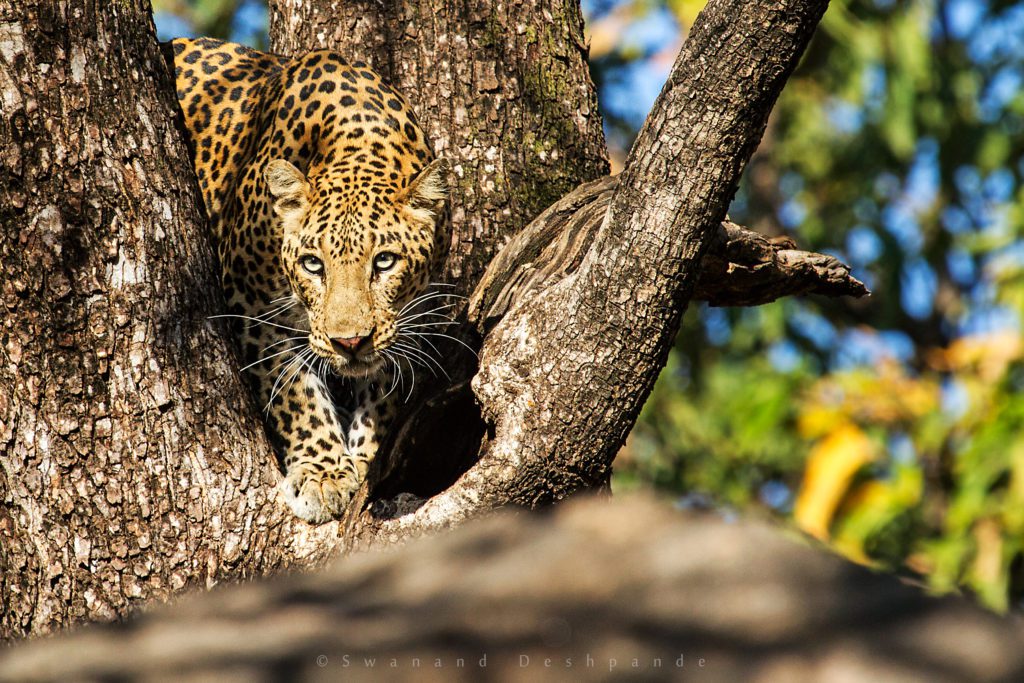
(503, 91)
(132, 463)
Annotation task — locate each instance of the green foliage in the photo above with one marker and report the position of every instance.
(703, 428)
(727, 456)
(892, 428)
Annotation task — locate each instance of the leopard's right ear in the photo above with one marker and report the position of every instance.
(288, 187)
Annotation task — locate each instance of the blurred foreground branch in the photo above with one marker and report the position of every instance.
(601, 583)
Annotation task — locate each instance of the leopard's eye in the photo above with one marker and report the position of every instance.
(384, 261)
(311, 264)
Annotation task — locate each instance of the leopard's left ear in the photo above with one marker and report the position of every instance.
(288, 187)
(428, 187)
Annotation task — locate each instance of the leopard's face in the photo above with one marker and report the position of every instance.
(355, 258)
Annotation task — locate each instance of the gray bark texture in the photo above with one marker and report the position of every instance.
(622, 588)
(740, 268)
(122, 437)
(132, 463)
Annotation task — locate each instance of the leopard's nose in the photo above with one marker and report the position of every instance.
(350, 345)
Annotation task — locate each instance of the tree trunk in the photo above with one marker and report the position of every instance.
(133, 463)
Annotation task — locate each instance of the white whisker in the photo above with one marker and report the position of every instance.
(439, 313)
(431, 345)
(257, 320)
(439, 323)
(415, 353)
(277, 382)
(432, 312)
(446, 336)
(274, 314)
(400, 355)
(412, 387)
(273, 355)
(396, 376)
(409, 340)
(428, 297)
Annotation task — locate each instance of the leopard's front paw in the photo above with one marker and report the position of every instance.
(318, 496)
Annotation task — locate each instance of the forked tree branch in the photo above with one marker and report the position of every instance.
(565, 371)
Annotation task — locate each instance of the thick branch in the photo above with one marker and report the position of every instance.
(740, 268)
(745, 268)
(132, 463)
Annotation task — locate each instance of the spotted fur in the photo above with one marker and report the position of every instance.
(324, 200)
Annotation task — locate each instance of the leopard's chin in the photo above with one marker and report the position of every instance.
(364, 365)
(356, 367)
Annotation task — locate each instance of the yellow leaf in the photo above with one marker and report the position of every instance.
(686, 11)
(831, 465)
(990, 354)
(989, 558)
(817, 420)
(867, 495)
(851, 549)
(1013, 510)
(987, 568)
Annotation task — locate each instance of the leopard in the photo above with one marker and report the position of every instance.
(326, 206)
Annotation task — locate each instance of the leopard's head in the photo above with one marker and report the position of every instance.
(357, 254)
